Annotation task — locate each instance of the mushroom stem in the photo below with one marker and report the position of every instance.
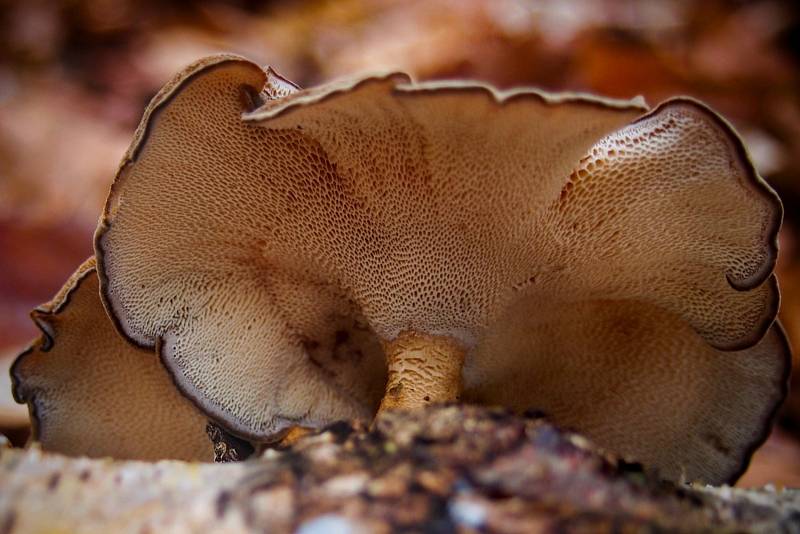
(422, 369)
(295, 434)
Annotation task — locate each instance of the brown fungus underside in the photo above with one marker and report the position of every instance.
(575, 251)
(91, 393)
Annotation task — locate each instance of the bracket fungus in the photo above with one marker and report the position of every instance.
(91, 393)
(379, 243)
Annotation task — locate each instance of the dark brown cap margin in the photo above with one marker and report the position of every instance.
(772, 408)
(755, 180)
(169, 91)
(404, 86)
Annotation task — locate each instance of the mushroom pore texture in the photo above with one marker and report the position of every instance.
(90, 393)
(301, 256)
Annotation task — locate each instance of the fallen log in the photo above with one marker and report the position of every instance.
(443, 469)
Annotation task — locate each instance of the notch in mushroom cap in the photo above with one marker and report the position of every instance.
(247, 243)
(91, 393)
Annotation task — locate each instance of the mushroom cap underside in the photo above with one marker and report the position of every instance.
(269, 251)
(638, 381)
(91, 393)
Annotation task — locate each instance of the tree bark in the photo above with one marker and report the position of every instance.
(440, 469)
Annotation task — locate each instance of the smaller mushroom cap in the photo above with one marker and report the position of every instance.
(91, 393)
(14, 420)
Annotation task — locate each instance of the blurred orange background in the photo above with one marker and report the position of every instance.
(75, 76)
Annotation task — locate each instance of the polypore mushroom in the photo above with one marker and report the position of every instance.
(91, 393)
(282, 258)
